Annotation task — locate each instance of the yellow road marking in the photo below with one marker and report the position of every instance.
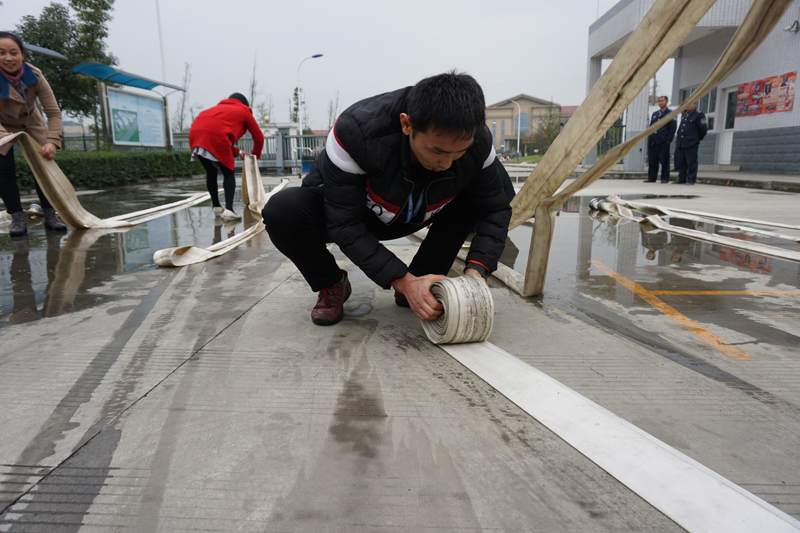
(710, 338)
(727, 293)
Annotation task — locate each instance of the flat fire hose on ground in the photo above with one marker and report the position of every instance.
(253, 197)
(5, 218)
(652, 221)
(61, 195)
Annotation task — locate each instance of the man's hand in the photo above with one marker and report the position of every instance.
(49, 151)
(418, 293)
(475, 273)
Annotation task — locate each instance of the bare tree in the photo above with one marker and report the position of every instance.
(333, 110)
(253, 84)
(179, 122)
(194, 110)
(264, 110)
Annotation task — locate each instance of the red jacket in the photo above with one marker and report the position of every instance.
(218, 128)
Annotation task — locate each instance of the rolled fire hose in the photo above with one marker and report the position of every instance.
(468, 311)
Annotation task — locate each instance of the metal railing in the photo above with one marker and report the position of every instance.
(614, 136)
(281, 152)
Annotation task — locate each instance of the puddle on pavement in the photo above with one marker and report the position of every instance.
(660, 262)
(49, 274)
(582, 234)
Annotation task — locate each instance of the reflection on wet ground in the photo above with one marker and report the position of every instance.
(47, 274)
(598, 257)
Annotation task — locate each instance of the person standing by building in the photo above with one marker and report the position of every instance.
(212, 137)
(658, 143)
(21, 85)
(692, 130)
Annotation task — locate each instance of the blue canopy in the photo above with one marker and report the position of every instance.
(115, 75)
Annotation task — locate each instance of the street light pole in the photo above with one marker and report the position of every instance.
(164, 76)
(519, 116)
(298, 87)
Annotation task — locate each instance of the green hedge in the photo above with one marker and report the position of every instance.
(105, 169)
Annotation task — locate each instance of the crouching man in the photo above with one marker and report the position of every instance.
(395, 163)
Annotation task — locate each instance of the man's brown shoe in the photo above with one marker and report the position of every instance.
(330, 303)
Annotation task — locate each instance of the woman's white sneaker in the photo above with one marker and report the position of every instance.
(230, 215)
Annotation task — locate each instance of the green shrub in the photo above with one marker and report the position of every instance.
(94, 170)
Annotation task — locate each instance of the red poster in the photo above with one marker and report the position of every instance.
(742, 100)
(770, 95)
(769, 104)
(756, 95)
(786, 91)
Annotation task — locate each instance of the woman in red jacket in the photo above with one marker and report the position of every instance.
(212, 138)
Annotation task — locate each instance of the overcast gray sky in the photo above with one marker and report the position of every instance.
(368, 46)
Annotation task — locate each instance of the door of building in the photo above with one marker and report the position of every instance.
(726, 132)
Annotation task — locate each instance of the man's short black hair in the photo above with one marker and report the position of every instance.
(665, 97)
(450, 103)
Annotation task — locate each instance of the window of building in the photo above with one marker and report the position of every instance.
(707, 104)
(524, 123)
(502, 133)
(494, 132)
(541, 124)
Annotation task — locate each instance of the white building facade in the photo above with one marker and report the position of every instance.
(753, 122)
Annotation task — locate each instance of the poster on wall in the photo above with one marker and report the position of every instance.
(786, 91)
(770, 95)
(742, 100)
(136, 120)
(769, 104)
(756, 94)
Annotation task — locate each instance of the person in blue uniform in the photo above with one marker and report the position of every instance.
(692, 130)
(658, 143)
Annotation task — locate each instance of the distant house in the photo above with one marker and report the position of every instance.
(566, 113)
(71, 128)
(502, 119)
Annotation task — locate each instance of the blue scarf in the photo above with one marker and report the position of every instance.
(27, 79)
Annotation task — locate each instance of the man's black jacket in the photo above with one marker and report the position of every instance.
(664, 134)
(692, 130)
(366, 171)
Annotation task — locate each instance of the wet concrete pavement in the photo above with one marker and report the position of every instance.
(203, 398)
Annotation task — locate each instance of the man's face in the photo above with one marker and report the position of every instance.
(433, 150)
(662, 103)
(691, 107)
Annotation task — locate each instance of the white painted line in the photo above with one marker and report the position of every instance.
(695, 497)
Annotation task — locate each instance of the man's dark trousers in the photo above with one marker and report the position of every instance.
(295, 221)
(658, 154)
(686, 163)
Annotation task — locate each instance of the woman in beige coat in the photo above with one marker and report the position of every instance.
(20, 87)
